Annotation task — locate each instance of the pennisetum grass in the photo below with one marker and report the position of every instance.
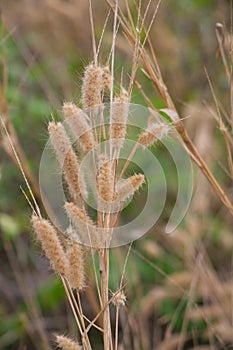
(68, 257)
(111, 188)
(64, 342)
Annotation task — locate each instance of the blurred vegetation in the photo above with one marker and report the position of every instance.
(46, 46)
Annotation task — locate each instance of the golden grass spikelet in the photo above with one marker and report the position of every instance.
(66, 158)
(51, 244)
(107, 78)
(120, 110)
(127, 187)
(79, 213)
(76, 275)
(92, 86)
(66, 343)
(77, 122)
(83, 223)
(154, 133)
(59, 140)
(119, 299)
(71, 172)
(105, 180)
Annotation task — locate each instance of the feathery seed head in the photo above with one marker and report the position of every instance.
(119, 299)
(66, 343)
(105, 180)
(78, 124)
(92, 86)
(122, 102)
(83, 223)
(66, 157)
(77, 213)
(154, 133)
(59, 140)
(128, 187)
(76, 276)
(136, 181)
(107, 78)
(123, 98)
(120, 112)
(51, 244)
(69, 109)
(71, 172)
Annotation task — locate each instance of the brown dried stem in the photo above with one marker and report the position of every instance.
(152, 70)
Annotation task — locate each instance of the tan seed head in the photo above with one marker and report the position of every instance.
(128, 187)
(66, 343)
(120, 110)
(83, 223)
(154, 133)
(51, 244)
(76, 275)
(92, 86)
(78, 124)
(119, 299)
(105, 180)
(66, 157)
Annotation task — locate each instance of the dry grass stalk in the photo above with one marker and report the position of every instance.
(153, 71)
(66, 343)
(51, 245)
(119, 300)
